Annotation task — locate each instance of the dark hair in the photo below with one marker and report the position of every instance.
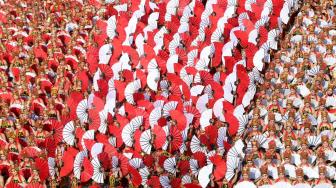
(124, 182)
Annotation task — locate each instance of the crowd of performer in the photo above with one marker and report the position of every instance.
(127, 94)
(295, 107)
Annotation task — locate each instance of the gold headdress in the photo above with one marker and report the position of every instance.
(11, 135)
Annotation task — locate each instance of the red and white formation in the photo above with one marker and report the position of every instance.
(173, 77)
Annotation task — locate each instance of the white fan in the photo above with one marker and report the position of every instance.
(216, 77)
(245, 184)
(144, 173)
(190, 118)
(218, 109)
(136, 122)
(241, 18)
(330, 101)
(191, 57)
(284, 13)
(230, 87)
(209, 91)
(303, 90)
(111, 27)
(204, 175)
(273, 38)
(173, 59)
(202, 102)
(183, 72)
(257, 76)
(170, 165)
(273, 172)
(205, 119)
(297, 102)
(243, 121)
(330, 155)
(232, 165)
(152, 20)
(195, 145)
(113, 141)
(282, 184)
(261, 22)
(254, 171)
(171, 9)
(171, 105)
(96, 149)
(77, 166)
(121, 7)
(312, 120)
(253, 35)
(290, 170)
(98, 174)
(164, 85)
(82, 111)
(266, 186)
(159, 103)
(127, 135)
(145, 141)
(136, 163)
(130, 89)
(236, 151)
(154, 116)
(103, 121)
(139, 43)
(268, 7)
(173, 45)
(186, 179)
(258, 59)
(230, 10)
(222, 136)
(194, 166)
(68, 133)
(188, 79)
(313, 71)
(296, 159)
(105, 53)
(164, 181)
(301, 185)
(202, 64)
(248, 4)
(324, 185)
(217, 35)
(310, 172)
(115, 162)
(228, 47)
(88, 135)
(111, 84)
(314, 140)
(249, 95)
(330, 171)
